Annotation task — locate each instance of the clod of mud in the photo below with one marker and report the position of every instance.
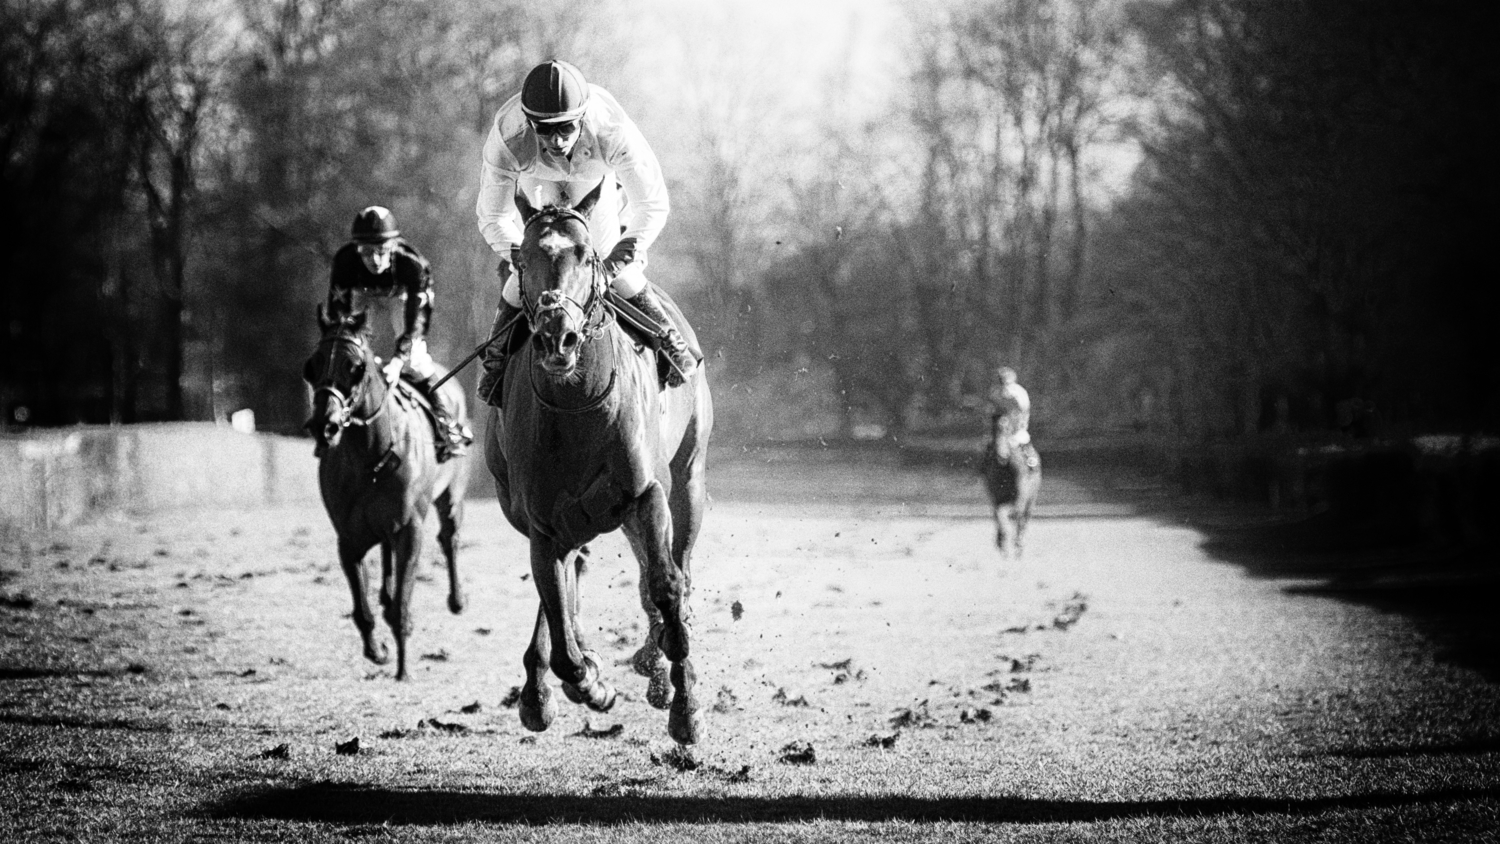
(472, 708)
(442, 726)
(916, 715)
(782, 698)
(679, 757)
(280, 751)
(440, 656)
(798, 753)
(726, 701)
(347, 748)
(883, 742)
(611, 731)
(1071, 612)
(736, 610)
(511, 698)
(975, 715)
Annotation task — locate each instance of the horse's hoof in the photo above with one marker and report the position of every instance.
(659, 690)
(684, 724)
(377, 653)
(537, 711)
(600, 697)
(648, 660)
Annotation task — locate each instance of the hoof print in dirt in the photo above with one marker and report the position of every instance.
(611, 731)
(280, 751)
(883, 742)
(679, 758)
(511, 698)
(347, 748)
(784, 699)
(798, 753)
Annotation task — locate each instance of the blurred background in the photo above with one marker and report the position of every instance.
(1197, 220)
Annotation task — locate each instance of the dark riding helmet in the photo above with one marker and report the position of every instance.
(374, 225)
(554, 92)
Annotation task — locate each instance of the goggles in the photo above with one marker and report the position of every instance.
(565, 127)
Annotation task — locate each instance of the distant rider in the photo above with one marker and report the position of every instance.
(556, 140)
(1010, 415)
(376, 267)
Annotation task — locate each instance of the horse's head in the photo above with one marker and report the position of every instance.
(339, 372)
(562, 285)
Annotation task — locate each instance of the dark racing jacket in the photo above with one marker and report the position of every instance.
(409, 277)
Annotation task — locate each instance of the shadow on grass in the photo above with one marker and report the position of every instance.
(355, 804)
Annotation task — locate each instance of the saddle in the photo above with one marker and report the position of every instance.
(409, 395)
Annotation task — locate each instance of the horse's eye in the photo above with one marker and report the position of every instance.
(357, 370)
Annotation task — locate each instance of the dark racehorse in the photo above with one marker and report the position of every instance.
(1012, 477)
(586, 443)
(379, 474)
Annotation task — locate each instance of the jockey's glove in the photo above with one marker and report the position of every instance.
(507, 264)
(619, 257)
(392, 369)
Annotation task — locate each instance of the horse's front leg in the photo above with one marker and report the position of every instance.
(536, 707)
(352, 560)
(405, 548)
(555, 571)
(650, 527)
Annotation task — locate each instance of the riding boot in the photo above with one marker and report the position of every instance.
(683, 361)
(454, 436)
(494, 357)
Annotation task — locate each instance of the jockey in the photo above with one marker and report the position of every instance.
(1010, 412)
(378, 266)
(554, 141)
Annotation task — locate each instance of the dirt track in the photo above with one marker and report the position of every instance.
(191, 676)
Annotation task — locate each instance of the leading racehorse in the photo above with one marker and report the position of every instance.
(588, 442)
(379, 473)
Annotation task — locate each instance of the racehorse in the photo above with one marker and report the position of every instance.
(379, 474)
(1012, 477)
(587, 442)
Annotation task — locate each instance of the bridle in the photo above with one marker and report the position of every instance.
(592, 315)
(344, 417)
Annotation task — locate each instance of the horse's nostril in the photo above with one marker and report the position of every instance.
(570, 341)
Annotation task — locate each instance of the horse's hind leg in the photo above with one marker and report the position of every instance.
(650, 525)
(351, 559)
(450, 510)
(405, 548)
(556, 574)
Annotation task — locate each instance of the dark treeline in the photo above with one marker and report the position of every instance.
(1194, 217)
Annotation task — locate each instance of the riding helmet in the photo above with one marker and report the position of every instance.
(554, 92)
(374, 225)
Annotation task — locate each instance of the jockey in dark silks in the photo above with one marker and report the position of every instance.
(555, 141)
(379, 268)
(1010, 416)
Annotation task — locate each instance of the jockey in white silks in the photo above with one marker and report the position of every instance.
(1010, 410)
(555, 141)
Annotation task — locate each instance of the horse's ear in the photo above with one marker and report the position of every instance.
(357, 322)
(323, 321)
(526, 209)
(586, 205)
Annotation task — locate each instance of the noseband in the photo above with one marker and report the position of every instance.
(345, 417)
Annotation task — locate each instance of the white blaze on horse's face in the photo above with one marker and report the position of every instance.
(559, 317)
